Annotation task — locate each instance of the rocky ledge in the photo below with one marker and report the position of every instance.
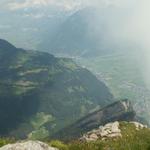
(118, 111)
(110, 130)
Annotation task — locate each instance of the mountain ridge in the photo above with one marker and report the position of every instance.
(53, 92)
(117, 111)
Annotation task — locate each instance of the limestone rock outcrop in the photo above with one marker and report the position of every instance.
(28, 145)
(110, 130)
(138, 125)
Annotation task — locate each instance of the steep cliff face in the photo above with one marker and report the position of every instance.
(118, 111)
(121, 110)
(40, 93)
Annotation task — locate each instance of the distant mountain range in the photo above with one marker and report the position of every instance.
(84, 36)
(81, 32)
(87, 32)
(79, 35)
(40, 94)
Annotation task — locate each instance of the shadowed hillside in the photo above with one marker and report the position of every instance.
(40, 93)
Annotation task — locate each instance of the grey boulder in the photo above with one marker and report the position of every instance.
(28, 145)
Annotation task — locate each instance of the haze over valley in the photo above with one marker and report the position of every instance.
(67, 67)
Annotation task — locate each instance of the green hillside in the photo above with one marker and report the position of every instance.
(40, 93)
(132, 139)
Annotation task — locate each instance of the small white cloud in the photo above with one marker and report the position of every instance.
(28, 3)
(36, 16)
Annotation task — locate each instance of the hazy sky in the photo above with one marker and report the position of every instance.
(131, 22)
(66, 4)
(131, 17)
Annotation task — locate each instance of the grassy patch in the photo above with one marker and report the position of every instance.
(131, 139)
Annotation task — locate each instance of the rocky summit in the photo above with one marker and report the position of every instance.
(110, 130)
(28, 145)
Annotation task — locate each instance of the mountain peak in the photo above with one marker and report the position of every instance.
(6, 45)
(43, 86)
